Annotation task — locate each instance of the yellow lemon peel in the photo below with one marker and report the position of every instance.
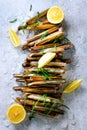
(72, 86)
(14, 38)
(16, 113)
(55, 15)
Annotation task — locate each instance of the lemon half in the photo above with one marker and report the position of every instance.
(55, 15)
(16, 113)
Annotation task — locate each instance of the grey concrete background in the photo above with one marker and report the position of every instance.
(11, 59)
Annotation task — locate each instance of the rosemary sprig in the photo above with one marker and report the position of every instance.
(44, 35)
(13, 21)
(45, 96)
(35, 24)
(46, 105)
(38, 17)
(64, 38)
(56, 40)
(43, 50)
(54, 47)
(51, 109)
(44, 73)
(33, 109)
(61, 38)
(55, 105)
(23, 28)
(37, 21)
(30, 8)
(25, 98)
(61, 105)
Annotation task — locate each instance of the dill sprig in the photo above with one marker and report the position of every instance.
(51, 109)
(54, 47)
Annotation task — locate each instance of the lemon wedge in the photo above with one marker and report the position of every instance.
(16, 113)
(72, 86)
(45, 59)
(14, 38)
(55, 15)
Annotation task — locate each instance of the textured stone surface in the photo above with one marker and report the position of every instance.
(12, 58)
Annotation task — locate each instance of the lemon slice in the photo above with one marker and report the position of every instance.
(16, 113)
(14, 38)
(72, 86)
(55, 15)
(45, 59)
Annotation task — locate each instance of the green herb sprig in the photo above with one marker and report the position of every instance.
(30, 8)
(33, 109)
(25, 98)
(56, 105)
(41, 71)
(43, 50)
(45, 73)
(38, 17)
(51, 109)
(35, 24)
(44, 35)
(61, 38)
(13, 21)
(23, 28)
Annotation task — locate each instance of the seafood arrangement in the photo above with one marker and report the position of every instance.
(42, 82)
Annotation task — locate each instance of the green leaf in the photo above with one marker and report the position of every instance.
(56, 40)
(44, 35)
(35, 24)
(41, 71)
(43, 50)
(46, 105)
(30, 8)
(23, 28)
(61, 38)
(45, 74)
(13, 21)
(33, 109)
(38, 17)
(51, 109)
(25, 98)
